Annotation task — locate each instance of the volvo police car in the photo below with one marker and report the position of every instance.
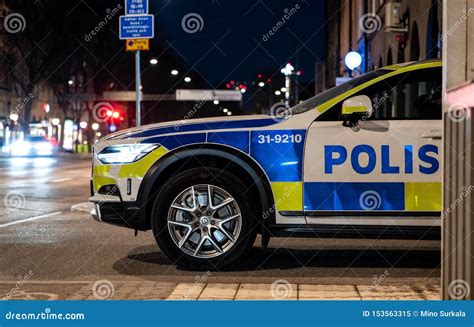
(362, 158)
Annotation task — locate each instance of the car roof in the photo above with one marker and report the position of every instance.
(435, 62)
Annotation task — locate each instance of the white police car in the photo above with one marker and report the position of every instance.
(362, 158)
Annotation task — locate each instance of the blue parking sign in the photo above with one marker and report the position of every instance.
(136, 7)
(136, 27)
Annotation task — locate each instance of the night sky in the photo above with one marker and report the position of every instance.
(232, 41)
(237, 28)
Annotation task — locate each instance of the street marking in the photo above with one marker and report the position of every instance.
(31, 219)
(61, 180)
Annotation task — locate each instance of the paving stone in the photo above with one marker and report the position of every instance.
(428, 291)
(327, 292)
(217, 291)
(267, 292)
(187, 291)
(388, 292)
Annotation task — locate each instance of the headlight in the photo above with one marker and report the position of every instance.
(124, 153)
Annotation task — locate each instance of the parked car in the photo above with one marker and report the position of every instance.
(360, 159)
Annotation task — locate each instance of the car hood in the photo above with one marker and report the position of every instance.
(195, 125)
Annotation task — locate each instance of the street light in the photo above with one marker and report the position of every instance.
(187, 79)
(14, 116)
(261, 84)
(229, 113)
(277, 92)
(174, 72)
(83, 124)
(225, 110)
(95, 126)
(153, 61)
(70, 82)
(216, 102)
(353, 60)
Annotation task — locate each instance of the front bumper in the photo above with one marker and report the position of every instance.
(118, 213)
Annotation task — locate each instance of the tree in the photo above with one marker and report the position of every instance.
(31, 46)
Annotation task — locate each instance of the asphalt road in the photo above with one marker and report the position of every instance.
(40, 237)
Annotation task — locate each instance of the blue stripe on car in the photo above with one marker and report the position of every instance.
(239, 140)
(340, 196)
(248, 123)
(173, 141)
(280, 158)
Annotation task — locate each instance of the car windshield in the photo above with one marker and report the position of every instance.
(325, 96)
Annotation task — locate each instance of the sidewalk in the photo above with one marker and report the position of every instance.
(148, 290)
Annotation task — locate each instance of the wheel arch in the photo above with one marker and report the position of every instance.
(212, 155)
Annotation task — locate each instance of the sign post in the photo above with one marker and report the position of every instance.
(135, 26)
(137, 88)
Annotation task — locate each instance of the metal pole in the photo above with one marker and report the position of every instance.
(137, 87)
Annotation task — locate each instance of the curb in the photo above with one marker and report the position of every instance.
(82, 207)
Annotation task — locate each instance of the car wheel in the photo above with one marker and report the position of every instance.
(204, 218)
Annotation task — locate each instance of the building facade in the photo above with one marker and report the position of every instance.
(383, 32)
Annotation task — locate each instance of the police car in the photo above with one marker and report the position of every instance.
(362, 158)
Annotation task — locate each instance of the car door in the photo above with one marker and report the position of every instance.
(387, 166)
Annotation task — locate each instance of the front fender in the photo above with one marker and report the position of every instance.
(170, 163)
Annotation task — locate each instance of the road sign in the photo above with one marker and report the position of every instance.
(136, 7)
(136, 27)
(208, 95)
(139, 44)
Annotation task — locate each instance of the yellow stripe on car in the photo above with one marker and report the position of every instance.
(351, 110)
(288, 196)
(423, 196)
(102, 176)
(139, 168)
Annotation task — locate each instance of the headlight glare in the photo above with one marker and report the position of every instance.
(120, 154)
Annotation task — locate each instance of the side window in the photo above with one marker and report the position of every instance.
(413, 95)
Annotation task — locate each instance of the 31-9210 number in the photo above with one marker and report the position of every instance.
(280, 138)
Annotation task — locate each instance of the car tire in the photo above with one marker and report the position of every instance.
(165, 232)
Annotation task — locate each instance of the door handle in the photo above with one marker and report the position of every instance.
(433, 135)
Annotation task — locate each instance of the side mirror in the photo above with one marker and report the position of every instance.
(356, 109)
